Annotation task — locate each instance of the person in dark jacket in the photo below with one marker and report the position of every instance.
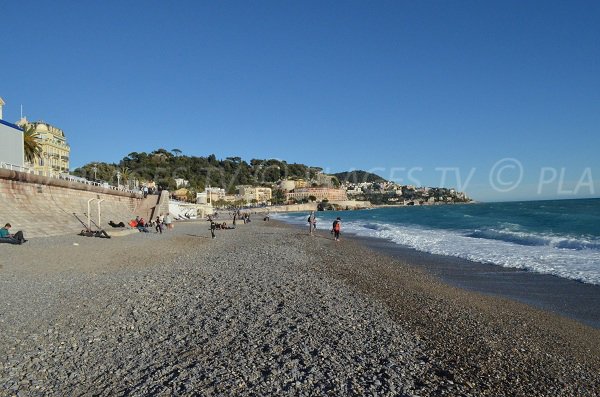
(337, 228)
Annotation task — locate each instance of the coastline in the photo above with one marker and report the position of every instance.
(268, 310)
(473, 337)
(570, 299)
(573, 299)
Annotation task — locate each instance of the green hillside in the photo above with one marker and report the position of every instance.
(358, 176)
(164, 167)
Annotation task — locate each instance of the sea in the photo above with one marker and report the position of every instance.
(558, 237)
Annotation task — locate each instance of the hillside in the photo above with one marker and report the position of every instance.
(164, 167)
(358, 176)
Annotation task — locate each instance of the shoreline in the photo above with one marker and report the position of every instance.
(470, 337)
(267, 309)
(570, 298)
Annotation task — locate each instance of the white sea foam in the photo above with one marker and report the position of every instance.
(572, 258)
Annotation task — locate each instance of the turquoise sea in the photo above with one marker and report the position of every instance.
(560, 237)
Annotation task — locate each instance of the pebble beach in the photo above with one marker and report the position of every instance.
(267, 310)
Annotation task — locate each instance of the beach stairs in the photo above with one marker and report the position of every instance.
(147, 208)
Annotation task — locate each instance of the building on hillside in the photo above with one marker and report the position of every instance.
(320, 193)
(287, 185)
(250, 193)
(12, 151)
(300, 183)
(55, 152)
(180, 194)
(354, 190)
(231, 198)
(201, 198)
(209, 195)
(180, 182)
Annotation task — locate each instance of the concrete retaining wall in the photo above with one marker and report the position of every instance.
(42, 206)
(352, 204)
(284, 208)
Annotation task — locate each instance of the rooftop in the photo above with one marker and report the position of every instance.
(10, 124)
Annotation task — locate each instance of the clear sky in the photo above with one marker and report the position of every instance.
(498, 98)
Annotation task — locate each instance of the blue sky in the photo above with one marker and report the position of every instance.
(503, 98)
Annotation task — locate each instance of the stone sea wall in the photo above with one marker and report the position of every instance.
(43, 206)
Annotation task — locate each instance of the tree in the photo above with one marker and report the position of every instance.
(176, 152)
(312, 198)
(31, 145)
(191, 196)
(278, 197)
(125, 174)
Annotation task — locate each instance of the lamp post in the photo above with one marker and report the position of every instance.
(48, 165)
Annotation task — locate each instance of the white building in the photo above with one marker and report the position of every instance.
(12, 151)
(354, 191)
(209, 195)
(180, 182)
(250, 193)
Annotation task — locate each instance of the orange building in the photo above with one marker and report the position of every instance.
(319, 192)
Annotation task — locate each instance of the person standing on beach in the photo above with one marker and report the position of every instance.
(312, 222)
(213, 226)
(337, 227)
(168, 221)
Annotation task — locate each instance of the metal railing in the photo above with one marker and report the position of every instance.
(67, 177)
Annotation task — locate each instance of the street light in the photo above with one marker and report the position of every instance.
(47, 164)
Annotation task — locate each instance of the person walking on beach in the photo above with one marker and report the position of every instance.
(159, 225)
(213, 226)
(168, 221)
(312, 222)
(337, 227)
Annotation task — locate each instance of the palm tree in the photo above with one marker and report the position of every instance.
(31, 145)
(126, 174)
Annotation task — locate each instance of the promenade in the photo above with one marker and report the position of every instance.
(267, 310)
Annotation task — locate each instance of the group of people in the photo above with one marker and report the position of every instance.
(145, 190)
(161, 223)
(218, 226)
(336, 227)
(166, 222)
(12, 238)
(245, 217)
